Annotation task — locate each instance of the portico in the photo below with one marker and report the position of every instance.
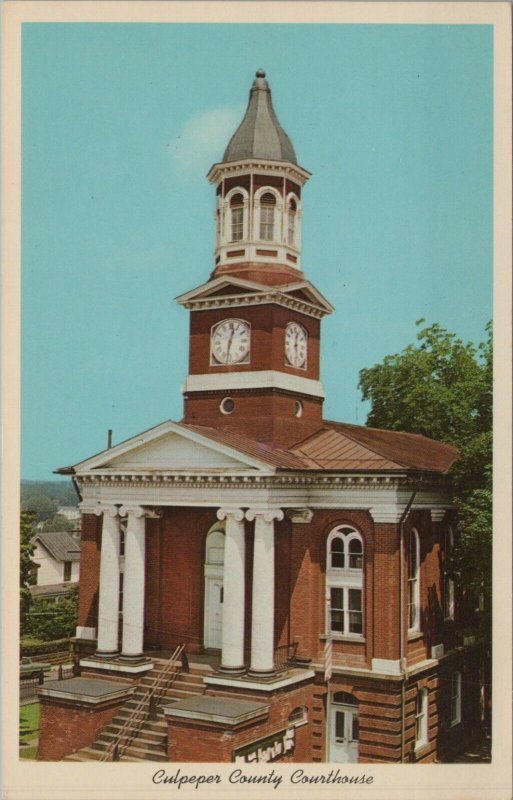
(126, 642)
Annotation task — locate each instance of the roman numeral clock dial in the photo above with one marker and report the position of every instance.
(295, 345)
(230, 342)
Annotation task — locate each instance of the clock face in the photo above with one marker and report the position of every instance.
(295, 345)
(230, 342)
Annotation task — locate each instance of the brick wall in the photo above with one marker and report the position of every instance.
(89, 570)
(66, 727)
(187, 738)
(266, 415)
(268, 324)
(308, 585)
(386, 617)
(174, 586)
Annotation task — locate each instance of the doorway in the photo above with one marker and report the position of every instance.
(214, 565)
(343, 729)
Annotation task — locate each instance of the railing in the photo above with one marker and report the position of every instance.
(66, 672)
(284, 655)
(144, 708)
(29, 687)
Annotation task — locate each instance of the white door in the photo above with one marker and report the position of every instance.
(213, 616)
(213, 612)
(343, 734)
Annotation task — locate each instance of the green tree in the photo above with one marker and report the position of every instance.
(59, 523)
(27, 566)
(42, 506)
(441, 387)
(53, 619)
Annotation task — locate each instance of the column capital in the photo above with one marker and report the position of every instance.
(267, 514)
(136, 511)
(236, 513)
(98, 509)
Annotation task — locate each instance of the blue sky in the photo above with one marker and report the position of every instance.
(121, 122)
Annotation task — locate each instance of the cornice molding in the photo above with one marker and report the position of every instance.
(256, 299)
(254, 379)
(257, 167)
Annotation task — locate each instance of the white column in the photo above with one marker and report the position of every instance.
(108, 604)
(232, 639)
(133, 582)
(262, 618)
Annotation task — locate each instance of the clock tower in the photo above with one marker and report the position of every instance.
(255, 325)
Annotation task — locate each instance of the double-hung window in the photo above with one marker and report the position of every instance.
(456, 698)
(421, 717)
(267, 206)
(447, 582)
(291, 223)
(413, 581)
(237, 217)
(344, 580)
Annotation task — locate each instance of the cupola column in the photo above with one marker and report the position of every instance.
(134, 580)
(232, 638)
(108, 603)
(262, 619)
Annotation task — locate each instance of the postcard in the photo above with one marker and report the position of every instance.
(256, 342)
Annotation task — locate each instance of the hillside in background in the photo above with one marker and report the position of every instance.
(45, 497)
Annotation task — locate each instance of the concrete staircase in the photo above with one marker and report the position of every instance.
(150, 743)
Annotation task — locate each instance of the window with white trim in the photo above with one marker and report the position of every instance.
(447, 582)
(421, 717)
(291, 222)
(344, 582)
(413, 581)
(267, 209)
(456, 698)
(237, 217)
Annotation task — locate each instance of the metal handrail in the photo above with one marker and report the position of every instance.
(134, 722)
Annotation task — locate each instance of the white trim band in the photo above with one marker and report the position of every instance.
(260, 379)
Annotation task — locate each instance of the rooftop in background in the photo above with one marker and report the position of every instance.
(62, 545)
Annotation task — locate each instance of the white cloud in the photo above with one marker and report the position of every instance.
(203, 138)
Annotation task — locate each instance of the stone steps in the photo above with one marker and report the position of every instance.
(150, 743)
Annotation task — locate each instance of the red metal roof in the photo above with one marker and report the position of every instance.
(343, 447)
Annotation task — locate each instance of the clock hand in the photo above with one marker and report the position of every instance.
(230, 341)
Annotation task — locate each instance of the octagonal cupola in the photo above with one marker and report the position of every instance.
(258, 196)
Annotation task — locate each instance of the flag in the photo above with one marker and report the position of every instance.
(328, 647)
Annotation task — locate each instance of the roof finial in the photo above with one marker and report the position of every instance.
(260, 73)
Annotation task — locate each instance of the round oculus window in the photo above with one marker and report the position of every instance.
(227, 405)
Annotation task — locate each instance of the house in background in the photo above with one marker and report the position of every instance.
(302, 562)
(57, 555)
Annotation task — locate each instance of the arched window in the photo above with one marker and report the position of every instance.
(345, 549)
(291, 222)
(215, 548)
(299, 716)
(337, 553)
(344, 582)
(421, 718)
(413, 581)
(447, 582)
(344, 698)
(267, 208)
(237, 217)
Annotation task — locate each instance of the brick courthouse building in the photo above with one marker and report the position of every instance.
(300, 561)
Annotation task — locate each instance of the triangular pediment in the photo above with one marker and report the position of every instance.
(221, 287)
(171, 447)
(228, 286)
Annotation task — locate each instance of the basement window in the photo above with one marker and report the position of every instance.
(299, 716)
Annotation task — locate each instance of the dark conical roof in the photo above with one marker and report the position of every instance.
(260, 135)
